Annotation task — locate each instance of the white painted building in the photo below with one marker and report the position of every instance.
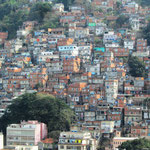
(135, 23)
(129, 44)
(1, 141)
(68, 51)
(85, 52)
(54, 66)
(21, 33)
(111, 90)
(2, 111)
(76, 141)
(99, 30)
(109, 37)
(141, 54)
(81, 33)
(18, 44)
(58, 7)
(94, 69)
(46, 55)
(107, 45)
(22, 147)
(107, 126)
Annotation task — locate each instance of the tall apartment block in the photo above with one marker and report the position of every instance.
(26, 133)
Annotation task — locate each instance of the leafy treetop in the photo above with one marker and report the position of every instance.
(136, 67)
(42, 107)
(137, 144)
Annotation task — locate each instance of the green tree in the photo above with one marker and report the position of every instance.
(54, 135)
(146, 103)
(137, 144)
(38, 11)
(11, 22)
(136, 67)
(50, 21)
(146, 33)
(42, 107)
(109, 11)
(104, 142)
(144, 2)
(100, 10)
(5, 9)
(98, 42)
(12, 16)
(118, 4)
(38, 85)
(121, 20)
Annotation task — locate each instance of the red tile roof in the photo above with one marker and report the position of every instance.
(48, 141)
